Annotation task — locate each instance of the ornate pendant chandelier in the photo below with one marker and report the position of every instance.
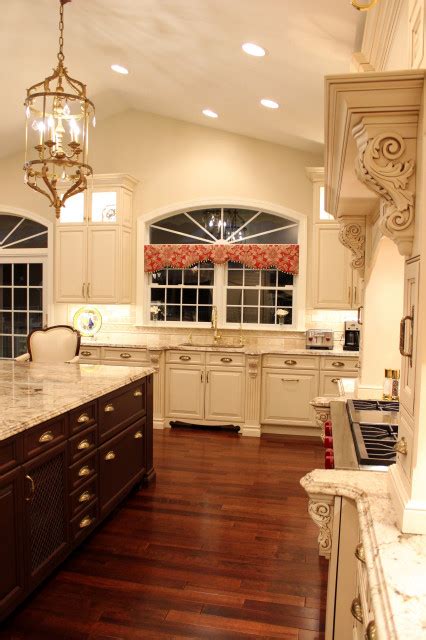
(58, 114)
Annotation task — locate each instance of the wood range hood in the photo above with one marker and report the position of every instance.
(373, 143)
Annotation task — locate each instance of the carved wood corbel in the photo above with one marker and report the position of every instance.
(386, 167)
(321, 510)
(352, 236)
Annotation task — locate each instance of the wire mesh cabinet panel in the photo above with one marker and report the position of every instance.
(46, 531)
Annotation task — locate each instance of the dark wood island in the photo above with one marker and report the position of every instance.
(74, 440)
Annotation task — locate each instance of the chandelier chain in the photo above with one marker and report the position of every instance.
(61, 33)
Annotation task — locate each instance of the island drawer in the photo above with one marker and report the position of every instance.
(124, 355)
(44, 436)
(84, 416)
(121, 408)
(10, 453)
(90, 353)
(226, 359)
(82, 444)
(83, 496)
(339, 364)
(83, 523)
(82, 471)
(185, 357)
(290, 361)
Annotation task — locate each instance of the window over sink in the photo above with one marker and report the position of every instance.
(223, 257)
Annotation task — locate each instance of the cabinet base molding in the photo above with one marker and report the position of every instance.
(312, 432)
(410, 514)
(160, 424)
(251, 430)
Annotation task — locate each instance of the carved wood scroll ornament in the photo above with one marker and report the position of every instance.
(321, 512)
(352, 236)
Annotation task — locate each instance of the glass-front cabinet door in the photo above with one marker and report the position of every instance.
(22, 302)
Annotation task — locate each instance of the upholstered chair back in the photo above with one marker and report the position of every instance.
(54, 344)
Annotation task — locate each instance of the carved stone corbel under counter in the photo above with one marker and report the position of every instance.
(321, 407)
(352, 236)
(321, 510)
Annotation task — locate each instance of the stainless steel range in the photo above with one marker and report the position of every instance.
(374, 425)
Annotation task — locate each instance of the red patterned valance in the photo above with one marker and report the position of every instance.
(284, 257)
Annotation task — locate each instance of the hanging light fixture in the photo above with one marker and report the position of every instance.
(363, 6)
(58, 114)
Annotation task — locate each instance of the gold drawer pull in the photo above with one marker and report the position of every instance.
(86, 522)
(337, 364)
(32, 488)
(84, 471)
(84, 444)
(137, 393)
(86, 496)
(125, 356)
(371, 633)
(109, 408)
(291, 362)
(138, 435)
(290, 380)
(359, 553)
(335, 380)
(47, 436)
(401, 446)
(356, 610)
(226, 359)
(110, 456)
(185, 358)
(84, 417)
(86, 354)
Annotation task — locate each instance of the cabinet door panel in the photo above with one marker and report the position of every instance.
(331, 276)
(46, 535)
(408, 365)
(11, 572)
(286, 397)
(126, 266)
(70, 261)
(328, 383)
(121, 463)
(225, 394)
(102, 264)
(185, 391)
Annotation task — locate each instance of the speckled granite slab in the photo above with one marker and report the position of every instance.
(31, 393)
(395, 562)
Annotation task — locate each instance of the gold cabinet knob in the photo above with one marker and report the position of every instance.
(335, 380)
(84, 444)
(84, 471)
(86, 354)
(185, 358)
(356, 610)
(47, 436)
(138, 435)
(86, 522)
(109, 456)
(86, 496)
(359, 552)
(401, 446)
(226, 359)
(137, 393)
(371, 633)
(290, 362)
(109, 408)
(125, 356)
(84, 417)
(337, 364)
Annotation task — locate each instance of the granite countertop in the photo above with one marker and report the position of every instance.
(32, 392)
(247, 350)
(395, 562)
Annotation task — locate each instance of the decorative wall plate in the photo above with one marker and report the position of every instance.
(88, 321)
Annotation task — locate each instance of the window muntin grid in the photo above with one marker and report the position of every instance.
(182, 295)
(21, 304)
(17, 232)
(253, 296)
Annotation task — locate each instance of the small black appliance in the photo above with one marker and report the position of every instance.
(352, 332)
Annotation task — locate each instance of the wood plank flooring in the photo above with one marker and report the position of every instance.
(219, 547)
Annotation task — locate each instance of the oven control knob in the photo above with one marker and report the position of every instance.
(328, 430)
(329, 459)
(328, 442)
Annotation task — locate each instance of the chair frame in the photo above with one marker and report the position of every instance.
(56, 326)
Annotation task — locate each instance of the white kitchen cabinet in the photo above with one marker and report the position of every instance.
(185, 385)
(333, 285)
(224, 395)
(408, 336)
(93, 256)
(286, 397)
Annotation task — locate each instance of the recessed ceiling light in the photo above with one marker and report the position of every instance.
(253, 49)
(271, 104)
(209, 113)
(119, 69)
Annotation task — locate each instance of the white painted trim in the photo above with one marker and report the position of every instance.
(48, 253)
(145, 220)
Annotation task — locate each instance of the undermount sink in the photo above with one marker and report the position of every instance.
(210, 345)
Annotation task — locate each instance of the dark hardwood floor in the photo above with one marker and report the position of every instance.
(220, 546)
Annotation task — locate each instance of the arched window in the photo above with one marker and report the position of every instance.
(243, 261)
(23, 255)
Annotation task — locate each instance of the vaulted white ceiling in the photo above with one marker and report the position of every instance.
(183, 56)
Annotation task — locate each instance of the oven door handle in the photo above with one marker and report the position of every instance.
(402, 350)
(360, 309)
